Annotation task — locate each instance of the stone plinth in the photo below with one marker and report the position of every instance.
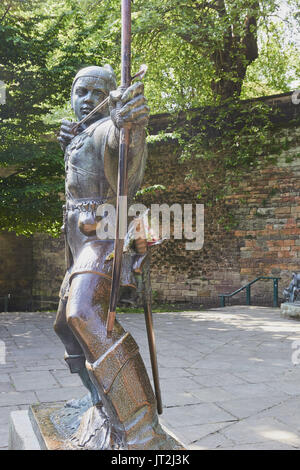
(52, 426)
(290, 310)
(21, 433)
(33, 429)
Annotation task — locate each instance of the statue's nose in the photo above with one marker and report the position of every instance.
(88, 97)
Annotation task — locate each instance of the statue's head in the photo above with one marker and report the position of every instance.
(90, 87)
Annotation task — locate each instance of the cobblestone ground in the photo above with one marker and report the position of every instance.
(229, 377)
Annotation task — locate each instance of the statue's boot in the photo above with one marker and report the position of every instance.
(74, 357)
(83, 421)
(77, 365)
(127, 395)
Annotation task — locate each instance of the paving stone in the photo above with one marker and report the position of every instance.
(184, 384)
(245, 407)
(17, 398)
(213, 441)
(217, 378)
(4, 415)
(4, 377)
(257, 375)
(9, 368)
(196, 415)
(60, 394)
(194, 433)
(249, 390)
(208, 366)
(291, 387)
(286, 412)
(34, 380)
(178, 398)
(26, 357)
(4, 333)
(70, 380)
(173, 362)
(270, 445)
(187, 355)
(4, 438)
(174, 372)
(261, 429)
(212, 394)
(47, 364)
(227, 378)
(6, 387)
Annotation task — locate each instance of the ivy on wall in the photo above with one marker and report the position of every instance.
(223, 145)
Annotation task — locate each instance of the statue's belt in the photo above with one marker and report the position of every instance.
(87, 208)
(85, 205)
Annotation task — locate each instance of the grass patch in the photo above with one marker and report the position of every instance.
(161, 308)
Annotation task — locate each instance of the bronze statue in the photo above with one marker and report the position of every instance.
(123, 413)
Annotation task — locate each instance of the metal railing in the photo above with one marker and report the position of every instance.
(248, 291)
(6, 299)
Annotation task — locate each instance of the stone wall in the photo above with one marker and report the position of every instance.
(48, 268)
(15, 269)
(264, 241)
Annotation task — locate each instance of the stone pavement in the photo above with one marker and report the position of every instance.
(229, 377)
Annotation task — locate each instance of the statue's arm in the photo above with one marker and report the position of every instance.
(130, 109)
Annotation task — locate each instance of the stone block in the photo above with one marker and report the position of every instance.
(33, 430)
(21, 433)
(290, 310)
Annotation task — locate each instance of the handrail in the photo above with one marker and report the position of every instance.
(248, 291)
(6, 299)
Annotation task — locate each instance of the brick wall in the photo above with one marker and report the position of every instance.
(265, 241)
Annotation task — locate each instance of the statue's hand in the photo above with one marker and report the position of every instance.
(129, 107)
(65, 134)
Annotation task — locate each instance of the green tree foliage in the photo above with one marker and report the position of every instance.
(198, 53)
(220, 37)
(277, 68)
(30, 186)
(42, 45)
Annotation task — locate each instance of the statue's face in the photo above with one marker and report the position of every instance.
(87, 94)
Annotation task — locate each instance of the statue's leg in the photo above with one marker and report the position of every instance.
(116, 366)
(74, 355)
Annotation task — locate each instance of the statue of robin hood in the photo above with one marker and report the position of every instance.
(123, 413)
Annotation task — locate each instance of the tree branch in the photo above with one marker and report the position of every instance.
(6, 11)
(249, 41)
